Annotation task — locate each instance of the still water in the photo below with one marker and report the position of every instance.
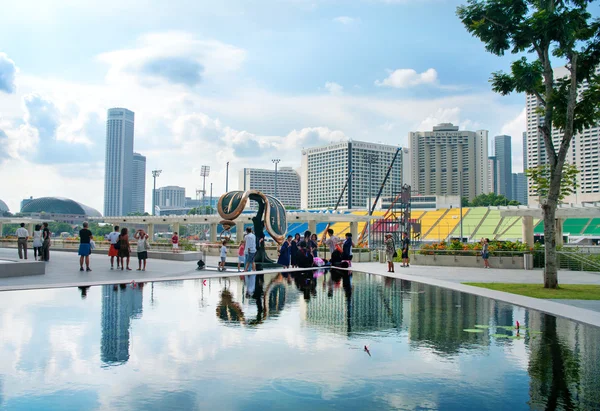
(295, 342)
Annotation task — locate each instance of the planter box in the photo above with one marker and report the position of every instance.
(515, 262)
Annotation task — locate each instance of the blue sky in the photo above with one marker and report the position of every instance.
(206, 78)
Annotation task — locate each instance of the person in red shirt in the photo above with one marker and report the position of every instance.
(175, 241)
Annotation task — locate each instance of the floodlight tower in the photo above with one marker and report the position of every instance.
(204, 172)
(155, 173)
(276, 162)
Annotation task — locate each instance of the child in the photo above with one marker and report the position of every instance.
(223, 256)
(175, 241)
(241, 256)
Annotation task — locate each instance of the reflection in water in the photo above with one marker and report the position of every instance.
(119, 306)
(294, 336)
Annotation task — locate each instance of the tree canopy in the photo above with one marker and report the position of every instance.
(491, 199)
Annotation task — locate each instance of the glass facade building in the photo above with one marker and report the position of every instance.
(138, 192)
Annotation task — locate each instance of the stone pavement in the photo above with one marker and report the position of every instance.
(63, 271)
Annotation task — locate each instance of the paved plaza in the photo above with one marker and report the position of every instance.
(63, 271)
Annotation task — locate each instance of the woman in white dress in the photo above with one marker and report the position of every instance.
(37, 243)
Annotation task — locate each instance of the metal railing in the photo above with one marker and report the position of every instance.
(575, 261)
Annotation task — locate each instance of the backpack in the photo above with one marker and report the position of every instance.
(117, 245)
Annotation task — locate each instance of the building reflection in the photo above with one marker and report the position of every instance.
(439, 316)
(120, 304)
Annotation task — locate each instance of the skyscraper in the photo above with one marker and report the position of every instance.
(442, 156)
(584, 152)
(118, 175)
(138, 192)
(503, 154)
(325, 171)
(493, 174)
(519, 188)
(170, 196)
(288, 183)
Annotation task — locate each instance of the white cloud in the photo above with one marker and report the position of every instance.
(172, 57)
(515, 129)
(403, 78)
(446, 115)
(346, 20)
(8, 71)
(333, 88)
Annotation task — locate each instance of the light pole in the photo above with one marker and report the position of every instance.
(155, 173)
(227, 178)
(210, 204)
(276, 161)
(370, 159)
(460, 197)
(204, 172)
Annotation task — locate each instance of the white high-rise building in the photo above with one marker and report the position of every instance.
(325, 171)
(288, 183)
(170, 196)
(439, 157)
(138, 192)
(584, 152)
(118, 175)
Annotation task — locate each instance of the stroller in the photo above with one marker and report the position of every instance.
(202, 261)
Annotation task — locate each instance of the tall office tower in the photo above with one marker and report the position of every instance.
(288, 183)
(440, 157)
(138, 191)
(118, 174)
(170, 196)
(492, 174)
(519, 188)
(325, 171)
(503, 154)
(584, 152)
(525, 166)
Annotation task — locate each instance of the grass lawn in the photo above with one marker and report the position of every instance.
(564, 292)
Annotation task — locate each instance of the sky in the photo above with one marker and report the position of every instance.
(243, 81)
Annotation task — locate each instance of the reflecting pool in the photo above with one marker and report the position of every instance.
(313, 341)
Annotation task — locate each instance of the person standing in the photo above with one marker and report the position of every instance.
(405, 245)
(390, 249)
(284, 252)
(223, 255)
(124, 248)
(294, 250)
(314, 245)
(113, 238)
(175, 242)
(251, 248)
(485, 252)
(85, 247)
(347, 248)
(241, 256)
(37, 243)
(332, 242)
(142, 249)
(45, 242)
(22, 237)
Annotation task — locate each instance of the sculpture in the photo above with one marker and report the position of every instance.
(270, 216)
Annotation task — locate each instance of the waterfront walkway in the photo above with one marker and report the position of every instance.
(63, 271)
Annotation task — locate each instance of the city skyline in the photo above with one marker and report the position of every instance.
(212, 96)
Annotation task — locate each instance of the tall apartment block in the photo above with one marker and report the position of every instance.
(118, 174)
(138, 192)
(325, 171)
(440, 158)
(519, 186)
(288, 183)
(503, 154)
(584, 152)
(170, 196)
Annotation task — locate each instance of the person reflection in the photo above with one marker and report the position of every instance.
(306, 284)
(84, 291)
(228, 310)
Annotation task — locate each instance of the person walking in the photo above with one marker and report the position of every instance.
(390, 250)
(251, 248)
(294, 250)
(405, 245)
(142, 249)
(175, 242)
(124, 249)
(37, 243)
(485, 252)
(85, 247)
(45, 242)
(113, 238)
(22, 237)
(284, 252)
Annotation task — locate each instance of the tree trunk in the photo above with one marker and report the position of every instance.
(550, 266)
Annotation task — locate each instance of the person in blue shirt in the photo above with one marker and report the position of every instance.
(347, 247)
(284, 252)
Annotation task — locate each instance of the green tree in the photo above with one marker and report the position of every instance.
(540, 180)
(201, 210)
(541, 30)
(100, 230)
(137, 213)
(58, 228)
(491, 199)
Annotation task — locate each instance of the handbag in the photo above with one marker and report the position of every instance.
(395, 252)
(92, 244)
(146, 244)
(117, 245)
